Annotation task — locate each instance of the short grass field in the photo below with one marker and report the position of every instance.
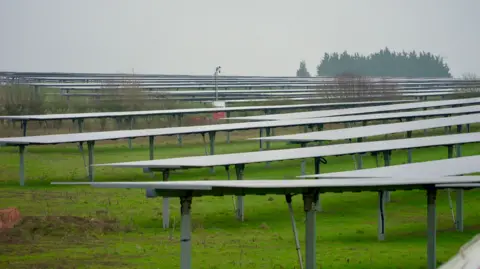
(83, 227)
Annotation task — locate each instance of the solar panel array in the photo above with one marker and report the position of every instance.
(426, 176)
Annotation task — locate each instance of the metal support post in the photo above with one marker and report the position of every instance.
(186, 233)
(260, 141)
(288, 197)
(227, 169)
(381, 216)
(304, 162)
(24, 127)
(310, 230)
(211, 138)
(239, 168)
(409, 151)
(318, 202)
(151, 146)
(179, 123)
(131, 127)
(386, 160)
(431, 228)
(21, 151)
(90, 146)
(80, 148)
(359, 159)
(166, 203)
(80, 125)
(459, 209)
(228, 132)
(267, 134)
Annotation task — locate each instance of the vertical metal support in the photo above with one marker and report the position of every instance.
(239, 168)
(318, 202)
(179, 123)
(80, 125)
(449, 191)
(80, 148)
(166, 203)
(409, 151)
(381, 216)
(267, 134)
(386, 159)
(459, 209)
(459, 146)
(450, 151)
(468, 128)
(358, 158)
(228, 132)
(431, 228)
(90, 146)
(310, 230)
(267, 143)
(260, 141)
(131, 127)
(375, 154)
(288, 198)
(204, 144)
(459, 192)
(21, 151)
(24, 127)
(227, 169)
(151, 146)
(211, 138)
(304, 162)
(186, 233)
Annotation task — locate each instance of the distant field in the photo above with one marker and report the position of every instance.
(82, 227)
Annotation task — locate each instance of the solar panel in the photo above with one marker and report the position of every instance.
(300, 153)
(282, 186)
(447, 167)
(107, 135)
(373, 130)
(180, 111)
(360, 110)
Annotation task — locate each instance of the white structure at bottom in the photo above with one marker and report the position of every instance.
(467, 258)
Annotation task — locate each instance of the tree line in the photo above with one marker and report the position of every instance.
(384, 63)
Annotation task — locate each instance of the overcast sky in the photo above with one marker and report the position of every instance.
(247, 37)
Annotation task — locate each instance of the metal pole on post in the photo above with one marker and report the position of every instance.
(130, 139)
(310, 230)
(217, 71)
(211, 136)
(90, 146)
(381, 216)
(24, 127)
(239, 168)
(166, 204)
(186, 233)
(151, 146)
(21, 150)
(431, 228)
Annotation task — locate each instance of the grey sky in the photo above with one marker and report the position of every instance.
(248, 37)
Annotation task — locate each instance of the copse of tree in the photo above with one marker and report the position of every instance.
(384, 63)
(302, 70)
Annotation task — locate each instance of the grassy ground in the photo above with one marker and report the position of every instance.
(81, 227)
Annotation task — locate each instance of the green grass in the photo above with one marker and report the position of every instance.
(346, 230)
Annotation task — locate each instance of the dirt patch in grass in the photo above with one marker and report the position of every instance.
(70, 263)
(71, 228)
